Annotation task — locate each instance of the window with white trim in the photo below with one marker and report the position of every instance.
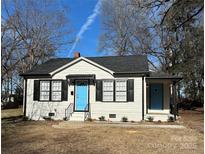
(121, 90)
(44, 90)
(108, 90)
(56, 90)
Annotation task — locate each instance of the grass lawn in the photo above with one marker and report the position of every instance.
(193, 119)
(8, 113)
(41, 137)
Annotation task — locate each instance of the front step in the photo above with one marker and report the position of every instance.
(77, 116)
(156, 117)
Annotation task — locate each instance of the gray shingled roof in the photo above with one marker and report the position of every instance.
(118, 64)
(48, 66)
(123, 63)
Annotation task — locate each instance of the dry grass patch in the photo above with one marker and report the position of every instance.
(8, 113)
(193, 119)
(41, 137)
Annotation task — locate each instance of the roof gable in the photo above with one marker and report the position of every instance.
(78, 60)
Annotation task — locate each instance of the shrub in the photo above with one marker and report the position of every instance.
(89, 119)
(132, 121)
(47, 118)
(150, 119)
(170, 119)
(25, 118)
(159, 121)
(124, 119)
(65, 118)
(102, 118)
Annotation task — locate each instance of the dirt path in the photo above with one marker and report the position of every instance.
(72, 125)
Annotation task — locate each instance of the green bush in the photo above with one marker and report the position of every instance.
(170, 119)
(25, 118)
(159, 121)
(47, 118)
(65, 118)
(124, 119)
(102, 118)
(150, 119)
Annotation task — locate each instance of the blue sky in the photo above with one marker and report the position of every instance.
(79, 11)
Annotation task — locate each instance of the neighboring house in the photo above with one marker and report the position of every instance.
(90, 87)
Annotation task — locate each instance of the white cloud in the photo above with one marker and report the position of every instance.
(86, 25)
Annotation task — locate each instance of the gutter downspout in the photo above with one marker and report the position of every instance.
(25, 96)
(143, 98)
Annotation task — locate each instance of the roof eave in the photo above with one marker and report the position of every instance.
(35, 75)
(174, 78)
(131, 74)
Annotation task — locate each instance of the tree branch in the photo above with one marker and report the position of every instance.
(167, 11)
(192, 16)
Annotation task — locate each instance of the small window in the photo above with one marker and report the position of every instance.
(44, 90)
(56, 90)
(121, 90)
(112, 115)
(108, 90)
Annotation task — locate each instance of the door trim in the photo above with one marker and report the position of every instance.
(162, 96)
(75, 92)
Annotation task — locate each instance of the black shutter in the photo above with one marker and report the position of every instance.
(130, 90)
(114, 90)
(36, 90)
(64, 96)
(98, 90)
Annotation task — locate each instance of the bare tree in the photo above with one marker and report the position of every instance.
(31, 32)
(128, 30)
(160, 29)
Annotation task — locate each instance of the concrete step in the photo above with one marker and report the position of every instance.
(156, 117)
(77, 116)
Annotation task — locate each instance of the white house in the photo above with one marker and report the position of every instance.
(90, 87)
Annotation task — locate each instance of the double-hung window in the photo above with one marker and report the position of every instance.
(56, 90)
(44, 90)
(108, 90)
(116, 90)
(121, 90)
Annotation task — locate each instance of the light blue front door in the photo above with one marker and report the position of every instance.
(81, 95)
(156, 96)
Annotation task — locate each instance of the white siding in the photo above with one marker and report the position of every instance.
(132, 110)
(82, 67)
(36, 110)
